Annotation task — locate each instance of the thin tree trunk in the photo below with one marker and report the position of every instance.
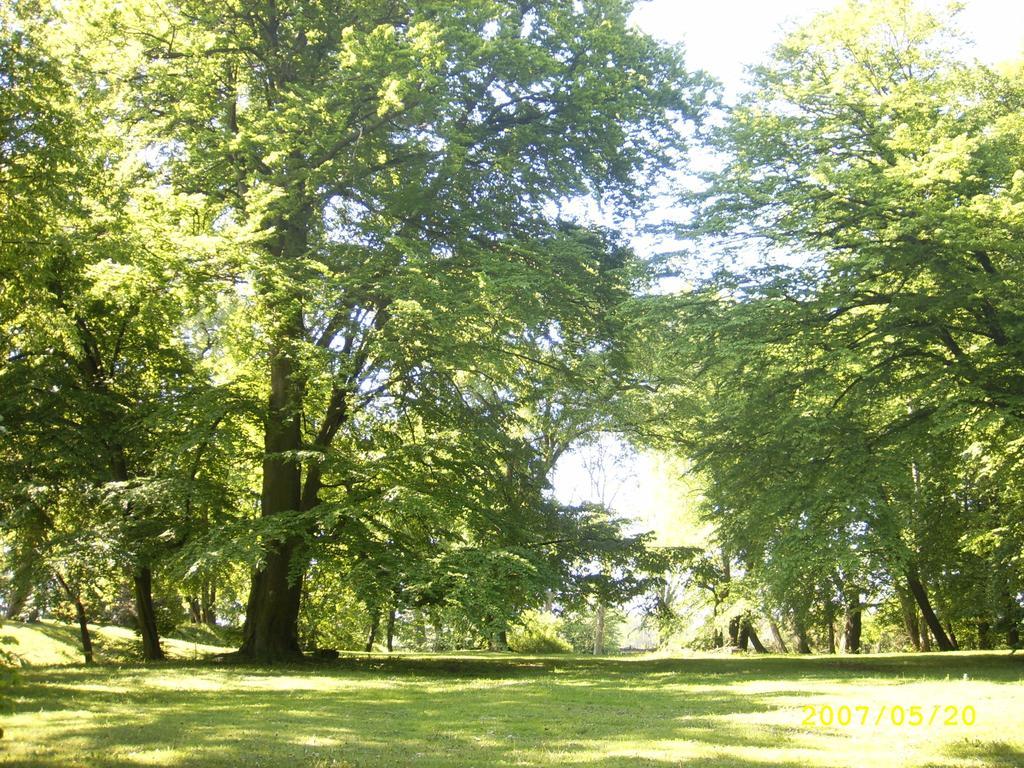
(909, 610)
(195, 613)
(142, 577)
(984, 636)
(83, 622)
(718, 638)
(777, 636)
(374, 626)
(830, 625)
(145, 615)
(1012, 622)
(921, 596)
(207, 604)
(391, 630)
(853, 627)
(83, 631)
(420, 625)
(721, 597)
(952, 636)
(599, 630)
(492, 635)
(438, 641)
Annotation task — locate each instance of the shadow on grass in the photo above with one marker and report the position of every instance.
(995, 667)
(992, 754)
(434, 712)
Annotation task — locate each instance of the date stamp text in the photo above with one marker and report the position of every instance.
(827, 715)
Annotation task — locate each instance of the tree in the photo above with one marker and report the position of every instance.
(842, 409)
(88, 320)
(388, 170)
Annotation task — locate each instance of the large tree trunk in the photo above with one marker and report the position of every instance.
(18, 595)
(802, 644)
(751, 635)
(145, 615)
(743, 641)
(271, 630)
(734, 631)
(852, 632)
(921, 596)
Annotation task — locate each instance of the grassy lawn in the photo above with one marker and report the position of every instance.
(499, 710)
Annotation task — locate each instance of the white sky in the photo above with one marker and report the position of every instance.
(722, 37)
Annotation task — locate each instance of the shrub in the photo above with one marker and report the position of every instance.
(538, 633)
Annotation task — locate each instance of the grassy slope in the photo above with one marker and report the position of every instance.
(485, 710)
(49, 643)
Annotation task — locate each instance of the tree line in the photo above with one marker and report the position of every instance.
(855, 412)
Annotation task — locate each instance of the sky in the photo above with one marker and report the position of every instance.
(722, 37)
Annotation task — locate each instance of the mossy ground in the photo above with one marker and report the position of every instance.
(502, 710)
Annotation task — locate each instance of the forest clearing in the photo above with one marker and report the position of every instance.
(511, 382)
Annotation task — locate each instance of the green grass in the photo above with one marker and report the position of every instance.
(500, 710)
